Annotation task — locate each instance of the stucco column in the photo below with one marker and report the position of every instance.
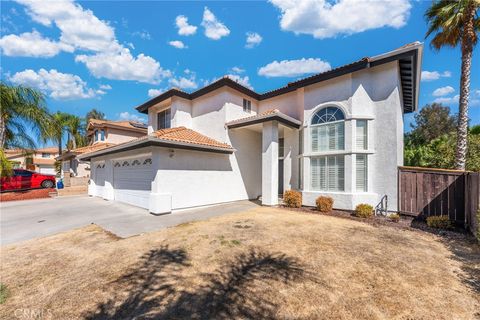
(270, 163)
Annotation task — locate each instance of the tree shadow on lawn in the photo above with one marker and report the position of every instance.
(154, 289)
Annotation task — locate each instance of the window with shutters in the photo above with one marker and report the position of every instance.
(163, 119)
(361, 173)
(361, 141)
(247, 105)
(328, 173)
(328, 130)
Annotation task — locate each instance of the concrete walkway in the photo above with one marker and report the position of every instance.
(29, 219)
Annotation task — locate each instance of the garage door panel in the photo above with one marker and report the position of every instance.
(132, 180)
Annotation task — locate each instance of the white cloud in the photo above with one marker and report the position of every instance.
(145, 35)
(105, 87)
(154, 92)
(325, 19)
(294, 68)
(434, 75)
(31, 44)
(455, 99)
(123, 66)
(178, 44)
(82, 30)
(79, 27)
(214, 29)
(127, 116)
(59, 86)
(244, 81)
(443, 91)
(184, 29)
(237, 70)
(184, 83)
(253, 40)
(447, 100)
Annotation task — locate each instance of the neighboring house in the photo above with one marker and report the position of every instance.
(338, 133)
(39, 160)
(101, 134)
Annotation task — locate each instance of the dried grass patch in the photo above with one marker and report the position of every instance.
(264, 263)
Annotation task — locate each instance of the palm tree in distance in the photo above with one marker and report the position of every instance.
(454, 23)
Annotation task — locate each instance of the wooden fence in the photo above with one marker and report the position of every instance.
(433, 192)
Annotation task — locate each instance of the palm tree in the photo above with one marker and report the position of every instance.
(75, 131)
(58, 128)
(20, 107)
(454, 23)
(95, 114)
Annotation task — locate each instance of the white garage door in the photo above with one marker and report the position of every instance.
(99, 178)
(132, 180)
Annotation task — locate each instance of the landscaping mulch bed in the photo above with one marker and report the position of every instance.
(405, 222)
(26, 195)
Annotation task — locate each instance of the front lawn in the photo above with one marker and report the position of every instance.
(264, 263)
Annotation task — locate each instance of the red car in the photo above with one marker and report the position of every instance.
(25, 179)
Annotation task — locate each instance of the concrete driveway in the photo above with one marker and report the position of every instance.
(29, 219)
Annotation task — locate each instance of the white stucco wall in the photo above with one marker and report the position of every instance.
(120, 136)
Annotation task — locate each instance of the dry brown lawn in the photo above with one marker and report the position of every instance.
(261, 264)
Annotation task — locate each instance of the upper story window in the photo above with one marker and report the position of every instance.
(247, 105)
(102, 135)
(163, 119)
(328, 130)
(45, 155)
(95, 135)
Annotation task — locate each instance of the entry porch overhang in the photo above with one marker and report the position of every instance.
(272, 124)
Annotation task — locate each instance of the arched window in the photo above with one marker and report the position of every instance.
(328, 114)
(327, 133)
(328, 128)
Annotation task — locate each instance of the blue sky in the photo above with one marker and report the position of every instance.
(114, 55)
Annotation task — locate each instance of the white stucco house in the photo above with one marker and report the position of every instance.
(338, 133)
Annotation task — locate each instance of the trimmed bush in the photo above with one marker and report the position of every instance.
(292, 199)
(364, 210)
(324, 204)
(395, 217)
(439, 222)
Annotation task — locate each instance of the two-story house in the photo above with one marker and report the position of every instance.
(338, 133)
(40, 160)
(101, 134)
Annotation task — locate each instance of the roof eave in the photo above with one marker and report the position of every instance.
(153, 141)
(284, 119)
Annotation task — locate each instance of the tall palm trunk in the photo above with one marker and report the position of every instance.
(3, 132)
(467, 50)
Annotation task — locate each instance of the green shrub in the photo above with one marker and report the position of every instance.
(395, 217)
(364, 210)
(324, 204)
(439, 222)
(292, 199)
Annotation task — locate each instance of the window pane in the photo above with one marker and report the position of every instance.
(361, 135)
(164, 119)
(329, 137)
(328, 173)
(361, 172)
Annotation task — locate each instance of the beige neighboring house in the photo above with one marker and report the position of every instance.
(40, 160)
(101, 134)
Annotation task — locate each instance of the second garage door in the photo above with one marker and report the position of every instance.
(132, 180)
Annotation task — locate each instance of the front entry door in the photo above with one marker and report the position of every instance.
(280, 176)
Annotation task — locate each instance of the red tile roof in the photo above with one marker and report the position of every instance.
(92, 148)
(185, 135)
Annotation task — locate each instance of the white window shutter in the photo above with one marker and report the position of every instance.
(315, 173)
(314, 136)
(361, 135)
(361, 172)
